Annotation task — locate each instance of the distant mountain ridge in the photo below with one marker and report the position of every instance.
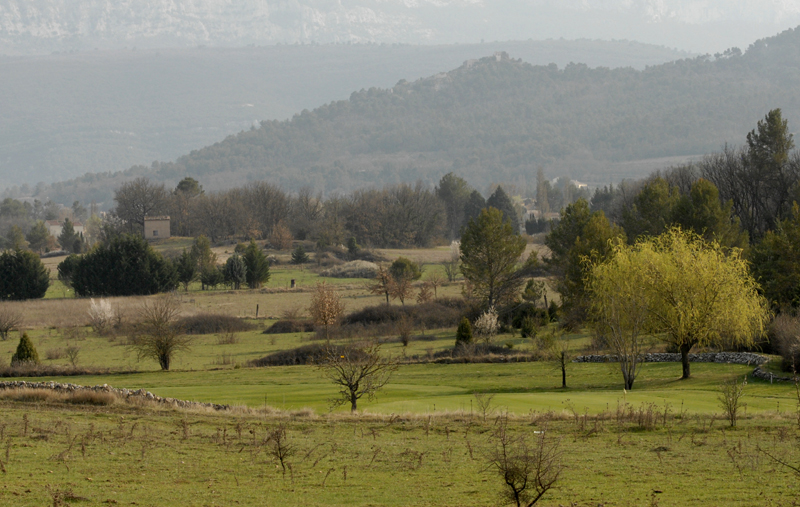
(28, 26)
(496, 120)
(96, 111)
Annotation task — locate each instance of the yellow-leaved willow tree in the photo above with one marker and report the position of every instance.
(687, 290)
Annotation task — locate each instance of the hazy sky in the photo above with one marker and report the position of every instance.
(29, 26)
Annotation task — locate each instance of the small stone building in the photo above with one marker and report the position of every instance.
(156, 228)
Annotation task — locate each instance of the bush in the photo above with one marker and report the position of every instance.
(290, 326)
(407, 269)
(353, 269)
(784, 335)
(520, 312)
(211, 323)
(49, 370)
(464, 332)
(124, 266)
(314, 353)
(26, 352)
(22, 275)
(437, 314)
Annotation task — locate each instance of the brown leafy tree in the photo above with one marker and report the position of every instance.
(326, 307)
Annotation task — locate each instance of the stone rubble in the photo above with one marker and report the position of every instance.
(122, 393)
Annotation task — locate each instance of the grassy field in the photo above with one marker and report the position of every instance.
(424, 440)
(118, 454)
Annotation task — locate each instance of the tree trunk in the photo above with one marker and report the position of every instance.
(163, 360)
(353, 401)
(563, 372)
(685, 348)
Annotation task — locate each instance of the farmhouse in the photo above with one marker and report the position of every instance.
(156, 228)
(55, 227)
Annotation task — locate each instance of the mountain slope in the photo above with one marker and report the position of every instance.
(42, 26)
(68, 114)
(497, 119)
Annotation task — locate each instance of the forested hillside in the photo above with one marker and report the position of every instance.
(64, 115)
(497, 119)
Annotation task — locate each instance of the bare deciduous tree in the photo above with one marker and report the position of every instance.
(528, 470)
(158, 336)
(326, 307)
(382, 283)
(140, 198)
(358, 371)
(10, 318)
(730, 396)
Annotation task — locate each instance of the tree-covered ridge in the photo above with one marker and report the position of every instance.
(506, 115)
(497, 119)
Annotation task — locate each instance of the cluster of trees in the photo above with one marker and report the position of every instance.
(394, 216)
(22, 225)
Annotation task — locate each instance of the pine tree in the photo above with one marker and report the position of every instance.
(257, 266)
(235, 271)
(299, 256)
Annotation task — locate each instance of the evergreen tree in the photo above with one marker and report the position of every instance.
(473, 207)
(26, 352)
(186, 266)
(211, 276)
(500, 200)
(454, 192)
(257, 266)
(299, 256)
(38, 236)
(16, 240)
(126, 265)
(67, 237)
(235, 271)
(490, 252)
(66, 269)
(464, 332)
(22, 275)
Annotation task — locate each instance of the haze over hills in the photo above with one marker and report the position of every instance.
(498, 119)
(42, 26)
(68, 114)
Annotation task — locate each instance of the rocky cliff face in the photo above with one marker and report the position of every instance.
(28, 26)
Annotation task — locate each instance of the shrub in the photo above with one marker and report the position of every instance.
(22, 275)
(211, 323)
(314, 353)
(464, 332)
(487, 325)
(66, 268)
(26, 352)
(290, 326)
(101, 315)
(352, 269)
(438, 314)
(784, 335)
(407, 269)
(520, 312)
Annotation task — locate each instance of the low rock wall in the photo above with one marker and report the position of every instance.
(748, 358)
(122, 393)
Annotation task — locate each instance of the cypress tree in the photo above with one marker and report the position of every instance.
(26, 352)
(464, 332)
